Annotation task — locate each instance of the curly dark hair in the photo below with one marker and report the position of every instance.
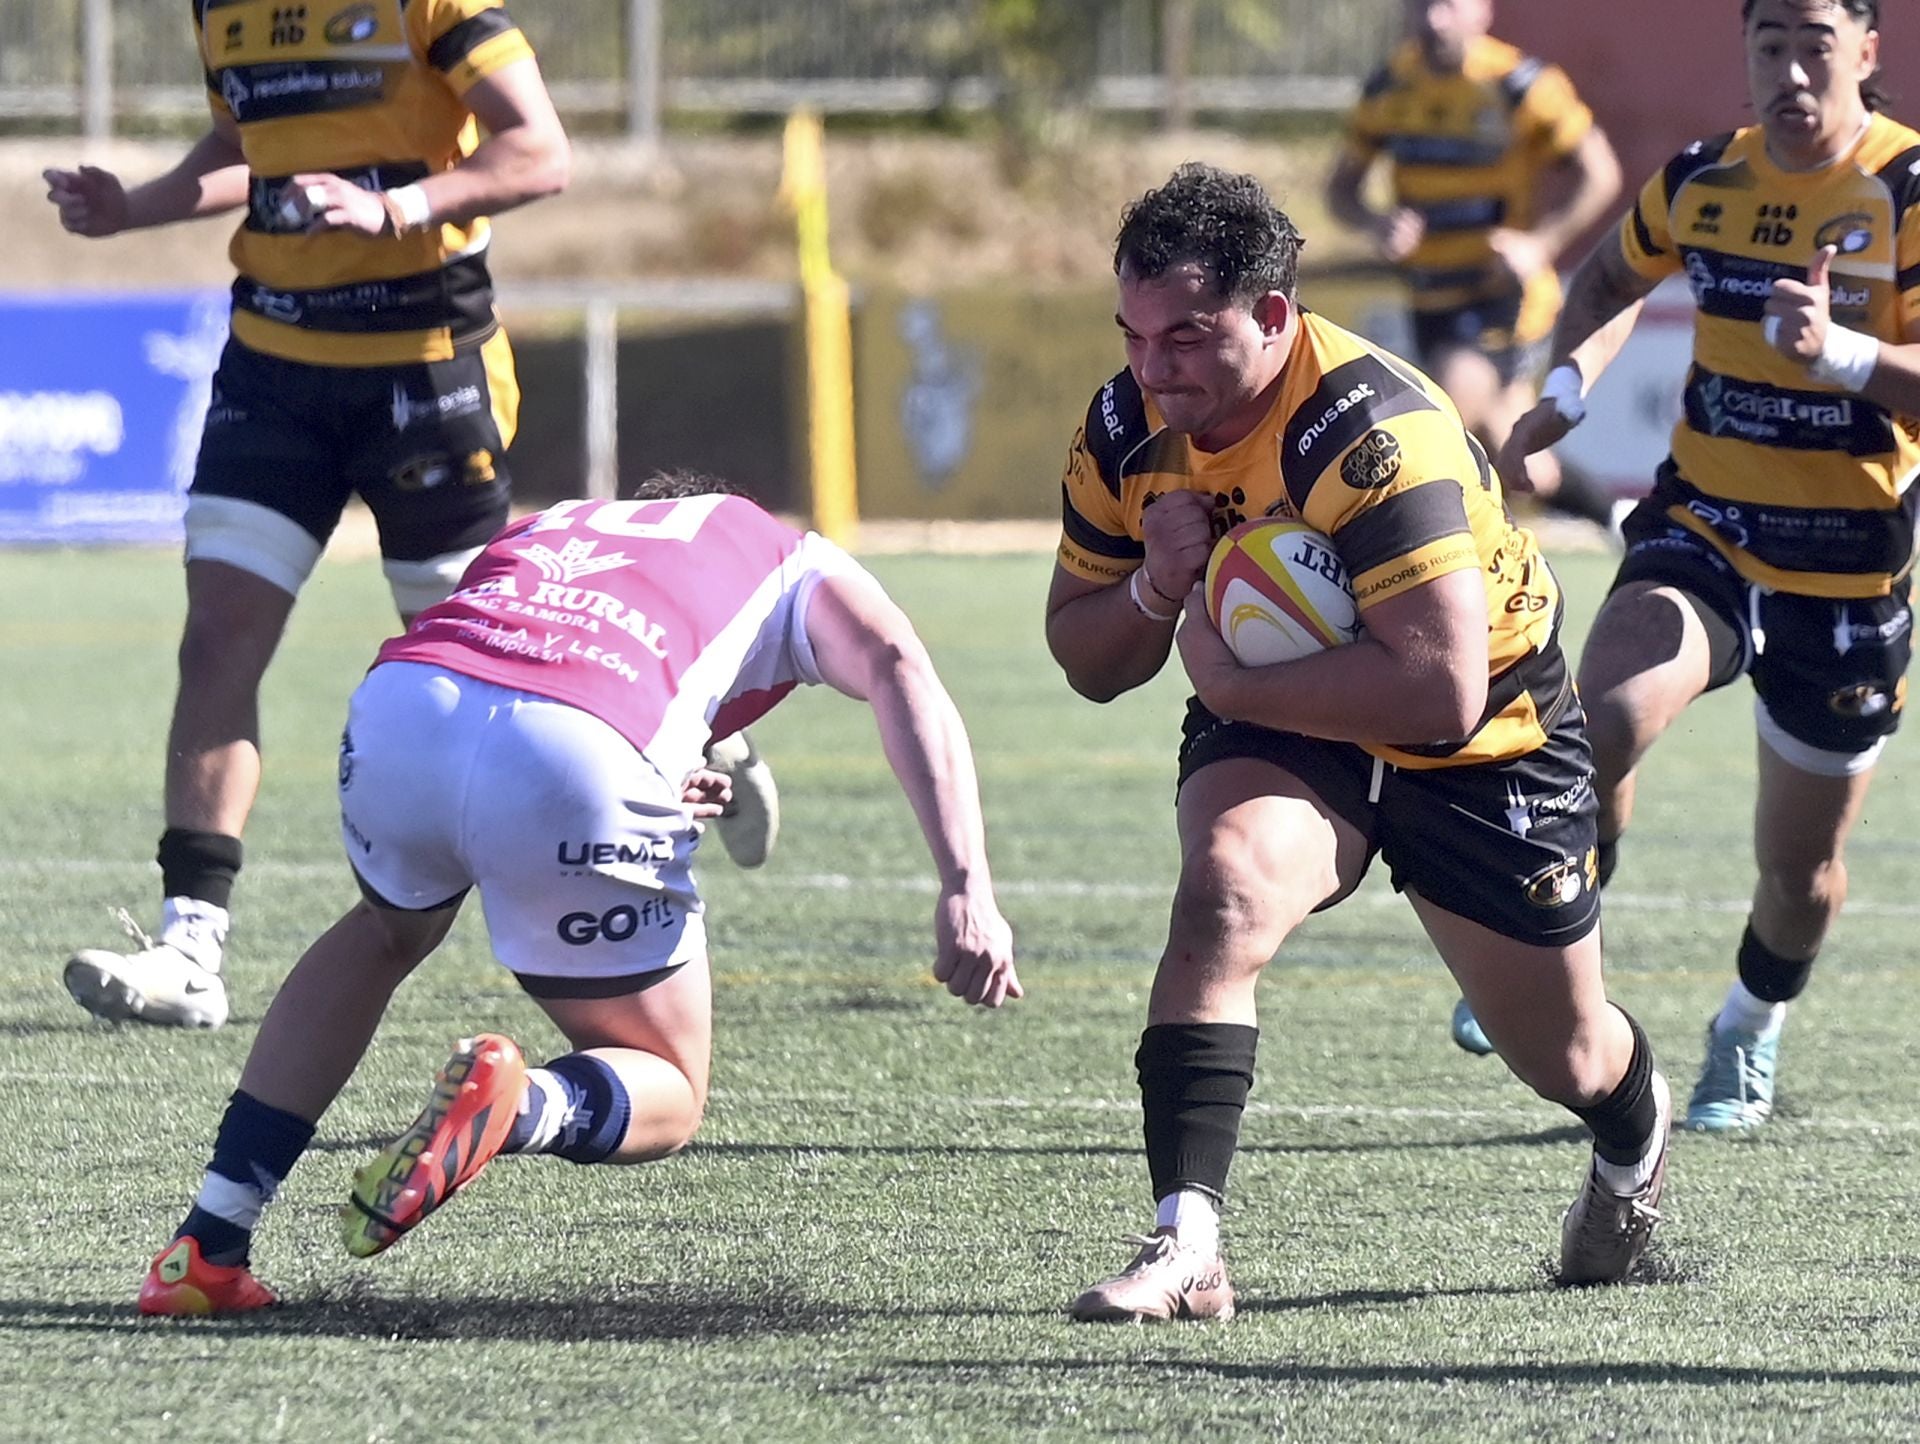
(1221, 219)
(1867, 12)
(672, 485)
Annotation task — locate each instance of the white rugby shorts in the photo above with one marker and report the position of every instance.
(581, 850)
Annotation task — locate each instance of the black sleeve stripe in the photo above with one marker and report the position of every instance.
(1515, 84)
(1901, 175)
(1691, 161)
(1643, 235)
(1351, 400)
(1089, 538)
(468, 36)
(1116, 425)
(1909, 278)
(1378, 83)
(1416, 517)
(213, 85)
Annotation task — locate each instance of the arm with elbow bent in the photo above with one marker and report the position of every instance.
(1416, 676)
(865, 647)
(1110, 638)
(524, 156)
(210, 178)
(1603, 302)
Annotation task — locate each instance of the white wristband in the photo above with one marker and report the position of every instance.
(1140, 604)
(1847, 359)
(1563, 388)
(409, 208)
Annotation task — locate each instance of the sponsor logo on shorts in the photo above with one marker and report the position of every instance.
(1522, 810)
(1373, 463)
(615, 925)
(477, 469)
(423, 473)
(409, 411)
(1848, 634)
(1561, 883)
(603, 854)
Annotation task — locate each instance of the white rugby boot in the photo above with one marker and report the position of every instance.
(751, 821)
(174, 982)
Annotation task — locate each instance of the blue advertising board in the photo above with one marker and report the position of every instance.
(102, 397)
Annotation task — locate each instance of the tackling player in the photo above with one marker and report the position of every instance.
(1778, 540)
(1479, 137)
(538, 736)
(1448, 738)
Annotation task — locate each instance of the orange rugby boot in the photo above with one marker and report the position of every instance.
(182, 1284)
(476, 1096)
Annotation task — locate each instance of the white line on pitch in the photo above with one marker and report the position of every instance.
(1013, 887)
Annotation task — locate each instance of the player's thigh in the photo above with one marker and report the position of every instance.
(669, 1015)
(270, 480)
(1272, 826)
(431, 466)
(1510, 848)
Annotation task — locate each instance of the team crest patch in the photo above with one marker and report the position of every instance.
(1373, 463)
(1561, 883)
(1849, 234)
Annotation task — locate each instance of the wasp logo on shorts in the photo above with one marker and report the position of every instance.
(615, 925)
(1561, 883)
(1862, 701)
(423, 473)
(477, 469)
(1373, 463)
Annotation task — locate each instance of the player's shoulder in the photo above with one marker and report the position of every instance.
(1399, 70)
(1704, 154)
(1349, 389)
(1117, 425)
(1890, 151)
(1507, 67)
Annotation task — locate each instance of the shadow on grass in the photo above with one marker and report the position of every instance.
(1141, 1372)
(352, 1313)
(1546, 1137)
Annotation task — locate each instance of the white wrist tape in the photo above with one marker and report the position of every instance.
(1563, 388)
(409, 207)
(1140, 602)
(1847, 359)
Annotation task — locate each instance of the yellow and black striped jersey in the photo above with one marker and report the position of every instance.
(1803, 487)
(1468, 148)
(369, 90)
(1363, 447)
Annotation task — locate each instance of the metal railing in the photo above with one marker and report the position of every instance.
(98, 63)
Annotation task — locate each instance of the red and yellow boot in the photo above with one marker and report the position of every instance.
(182, 1284)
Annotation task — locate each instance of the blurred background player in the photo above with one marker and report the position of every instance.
(1413, 741)
(365, 357)
(1778, 540)
(1496, 167)
(557, 768)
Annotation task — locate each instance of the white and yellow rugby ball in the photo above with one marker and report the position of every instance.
(1277, 590)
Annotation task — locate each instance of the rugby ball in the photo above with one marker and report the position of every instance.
(1277, 590)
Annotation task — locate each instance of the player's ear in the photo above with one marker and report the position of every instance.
(1271, 312)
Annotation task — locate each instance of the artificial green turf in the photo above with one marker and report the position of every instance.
(892, 1199)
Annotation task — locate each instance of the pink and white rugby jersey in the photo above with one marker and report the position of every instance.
(672, 621)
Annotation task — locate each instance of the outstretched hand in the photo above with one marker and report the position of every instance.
(1798, 313)
(1540, 429)
(91, 201)
(706, 794)
(974, 949)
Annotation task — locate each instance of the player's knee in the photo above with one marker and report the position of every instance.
(1575, 1073)
(1233, 912)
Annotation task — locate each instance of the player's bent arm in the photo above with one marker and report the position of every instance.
(1103, 641)
(1345, 185)
(211, 178)
(1592, 178)
(1417, 675)
(1603, 301)
(864, 646)
(524, 156)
